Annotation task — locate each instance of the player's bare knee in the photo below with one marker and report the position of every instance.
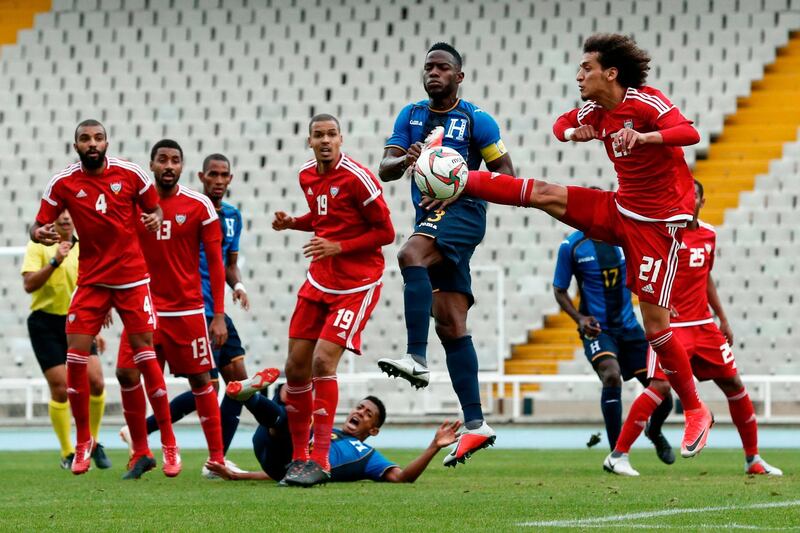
(96, 385)
(296, 370)
(197, 381)
(549, 197)
(660, 386)
(730, 385)
(58, 392)
(128, 377)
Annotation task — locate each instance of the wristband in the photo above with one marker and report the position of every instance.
(239, 287)
(54, 263)
(568, 133)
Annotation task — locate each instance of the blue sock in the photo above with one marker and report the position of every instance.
(462, 364)
(418, 300)
(611, 405)
(180, 406)
(229, 411)
(267, 413)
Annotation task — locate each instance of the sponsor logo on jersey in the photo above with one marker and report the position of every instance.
(415, 123)
(628, 124)
(586, 259)
(310, 192)
(334, 191)
(648, 289)
(116, 187)
(180, 219)
(81, 194)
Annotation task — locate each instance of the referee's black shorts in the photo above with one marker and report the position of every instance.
(49, 339)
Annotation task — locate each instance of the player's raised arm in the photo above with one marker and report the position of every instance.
(445, 436)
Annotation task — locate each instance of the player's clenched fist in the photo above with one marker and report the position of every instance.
(583, 134)
(63, 250)
(282, 221)
(152, 221)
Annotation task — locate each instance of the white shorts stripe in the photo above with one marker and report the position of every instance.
(672, 269)
(365, 303)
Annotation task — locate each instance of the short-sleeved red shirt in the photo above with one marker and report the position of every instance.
(105, 212)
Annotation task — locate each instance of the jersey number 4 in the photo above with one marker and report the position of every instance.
(100, 205)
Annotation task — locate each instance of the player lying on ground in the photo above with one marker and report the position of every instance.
(49, 274)
(351, 223)
(104, 196)
(643, 134)
(613, 341)
(708, 346)
(228, 358)
(350, 458)
(434, 262)
(182, 337)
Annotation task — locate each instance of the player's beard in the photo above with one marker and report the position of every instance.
(92, 164)
(167, 186)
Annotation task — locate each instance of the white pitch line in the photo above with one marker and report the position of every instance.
(654, 514)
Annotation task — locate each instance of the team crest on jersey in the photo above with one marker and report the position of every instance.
(334, 191)
(628, 124)
(708, 248)
(180, 219)
(116, 187)
(71, 317)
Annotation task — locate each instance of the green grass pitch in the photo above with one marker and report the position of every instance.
(497, 490)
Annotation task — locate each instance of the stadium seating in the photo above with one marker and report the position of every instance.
(244, 76)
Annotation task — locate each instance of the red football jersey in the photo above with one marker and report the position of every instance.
(655, 182)
(173, 252)
(104, 212)
(343, 204)
(695, 261)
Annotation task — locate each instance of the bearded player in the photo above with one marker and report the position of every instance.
(708, 346)
(642, 133)
(107, 198)
(182, 337)
(351, 223)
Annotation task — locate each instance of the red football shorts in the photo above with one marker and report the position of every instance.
(91, 304)
(336, 318)
(182, 341)
(651, 248)
(709, 353)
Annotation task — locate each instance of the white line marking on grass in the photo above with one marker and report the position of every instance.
(696, 526)
(589, 522)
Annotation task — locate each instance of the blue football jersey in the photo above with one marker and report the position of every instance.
(599, 269)
(231, 221)
(467, 129)
(353, 460)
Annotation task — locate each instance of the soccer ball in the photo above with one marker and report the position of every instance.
(440, 173)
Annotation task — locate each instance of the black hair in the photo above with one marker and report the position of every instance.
(381, 409)
(699, 186)
(165, 143)
(622, 53)
(450, 50)
(215, 157)
(323, 117)
(89, 122)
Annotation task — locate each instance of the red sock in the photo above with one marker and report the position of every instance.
(299, 402)
(147, 363)
(205, 399)
(78, 391)
(135, 410)
(326, 397)
(675, 362)
(744, 417)
(641, 409)
(499, 188)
